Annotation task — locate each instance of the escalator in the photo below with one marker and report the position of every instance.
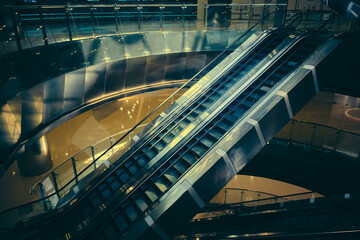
(153, 150)
(179, 164)
(176, 163)
(197, 145)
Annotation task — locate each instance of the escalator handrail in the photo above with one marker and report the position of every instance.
(46, 199)
(171, 96)
(129, 194)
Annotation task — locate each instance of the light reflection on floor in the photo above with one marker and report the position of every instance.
(99, 123)
(79, 133)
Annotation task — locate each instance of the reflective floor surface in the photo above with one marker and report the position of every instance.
(90, 127)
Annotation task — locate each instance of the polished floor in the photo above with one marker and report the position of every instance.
(102, 122)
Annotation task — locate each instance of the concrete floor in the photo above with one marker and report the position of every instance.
(90, 127)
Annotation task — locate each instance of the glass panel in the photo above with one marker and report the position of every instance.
(349, 144)
(218, 17)
(83, 159)
(192, 21)
(172, 18)
(104, 21)
(7, 35)
(81, 24)
(325, 137)
(302, 132)
(285, 132)
(56, 25)
(150, 19)
(64, 174)
(128, 19)
(30, 28)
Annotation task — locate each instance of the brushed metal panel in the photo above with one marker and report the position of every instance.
(155, 69)
(175, 66)
(32, 109)
(10, 124)
(174, 42)
(135, 45)
(268, 126)
(155, 42)
(74, 89)
(298, 97)
(115, 76)
(195, 41)
(114, 48)
(211, 182)
(93, 51)
(53, 98)
(135, 72)
(94, 82)
(217, 39)
(194, 62)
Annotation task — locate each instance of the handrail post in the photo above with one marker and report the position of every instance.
(43, 28)
(337, 140)
(183, 18)
(291, 131)
(313, 136)
(67, 10)
(111, 144)
(93, 156)
(116, 19)
(205, 16)
(225, 196)
(161, 17)
(73, 160)
(92, 9)
(15, 28)
(139, 17)
(241, 198)
(53, 175)
(42, 194)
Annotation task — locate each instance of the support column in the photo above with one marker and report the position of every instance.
(36, 158)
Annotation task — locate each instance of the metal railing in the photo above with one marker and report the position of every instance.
(72, 167)
(240, 195)
(316, 135)
(273, 203)
(33, 26)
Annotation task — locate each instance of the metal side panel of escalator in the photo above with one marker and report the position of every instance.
(207, 161)
(131, 170)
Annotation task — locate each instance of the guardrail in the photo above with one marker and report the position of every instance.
(321, 136)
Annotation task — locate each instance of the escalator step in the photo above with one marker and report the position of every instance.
(87, 210)
(171, 176)
(151, 153)
(180, 167)
(140, 202)
(215, 134)
(150, 193)
(115, 185)
(161, 186)
(131, 213)
(110, 230)
(124, 177)
(206, 142)
(142, 162)
(189, 158)
(133, 169)
(121, 223)
(199, 151)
